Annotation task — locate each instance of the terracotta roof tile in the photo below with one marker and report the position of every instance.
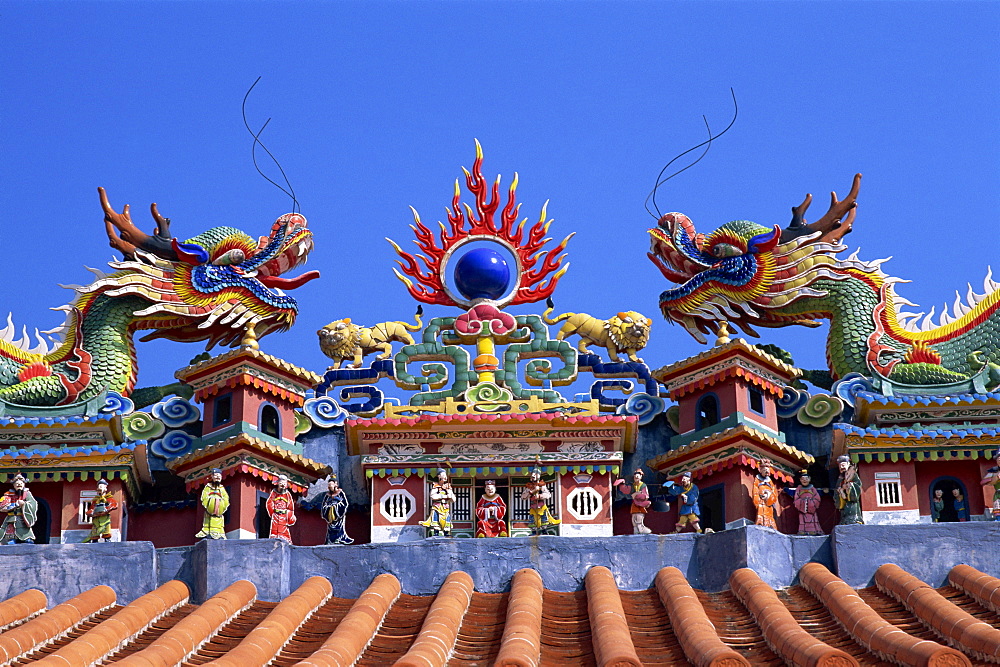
(823, 622)
(21, 607)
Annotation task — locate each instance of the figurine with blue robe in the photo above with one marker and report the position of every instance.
(334, 511)
(688, 514)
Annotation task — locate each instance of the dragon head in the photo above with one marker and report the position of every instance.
(211, 287)
(748, 274)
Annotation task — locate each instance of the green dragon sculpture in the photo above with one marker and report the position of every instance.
(757, 276)
(214, 287)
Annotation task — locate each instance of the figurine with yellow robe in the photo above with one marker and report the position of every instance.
(215, 500)
(537, 493)
(442, 496)
(103, 504)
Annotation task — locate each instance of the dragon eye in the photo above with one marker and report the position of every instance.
(340, 326)
(725, 250)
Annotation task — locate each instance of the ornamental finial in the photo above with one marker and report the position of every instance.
(723, 333)
(249, 341)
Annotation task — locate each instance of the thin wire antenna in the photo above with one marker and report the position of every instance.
(660, 181)
(253, 153)
(659, 178)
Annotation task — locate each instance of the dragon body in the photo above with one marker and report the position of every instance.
(214, 287)
(755, 276)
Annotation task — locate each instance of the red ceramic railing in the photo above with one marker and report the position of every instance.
(979, 585)
(109, 635)
(355, 631)
(781, 631)
(266, 640)
(21, 607)
(437, 636)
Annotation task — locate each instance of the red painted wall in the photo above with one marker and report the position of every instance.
(601, 483)
(165, 528)
(70, 505)
(734, 396)
(968, 473)
(417, 487)
(907, 483)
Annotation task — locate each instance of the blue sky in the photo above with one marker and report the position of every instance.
(375, 106)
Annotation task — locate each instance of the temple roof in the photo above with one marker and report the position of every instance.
(914, 443)
(704, 368)
(249, 367)
(908, 400)
(227, 358)
(245, 453)
(822, 621)
(720, 449)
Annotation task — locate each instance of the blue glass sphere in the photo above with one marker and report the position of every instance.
(482, 273)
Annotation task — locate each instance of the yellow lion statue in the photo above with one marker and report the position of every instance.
(342, 340)
(624, 333)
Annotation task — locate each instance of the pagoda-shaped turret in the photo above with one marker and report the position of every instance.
(248, 432)
(727, 423)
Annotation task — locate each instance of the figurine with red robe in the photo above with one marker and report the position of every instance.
(103, 504)
(21, 511)
(491, 510)
(281, 509)
(806, 499)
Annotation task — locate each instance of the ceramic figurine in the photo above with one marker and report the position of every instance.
(100, 511)
(623, 334)
(21, 509)
(281, 508)
(537, 493)
(215, 500)
(639, 492)
(342, 340)
(442, 496)
(764, 495)
(806, 499)
(848, 492)
(334, 510)
(937, 505)
(490, 511)
(688, 514)
(961, 505)
(992, 478)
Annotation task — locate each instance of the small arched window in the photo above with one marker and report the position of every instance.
(270, 421)
(707, 411)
